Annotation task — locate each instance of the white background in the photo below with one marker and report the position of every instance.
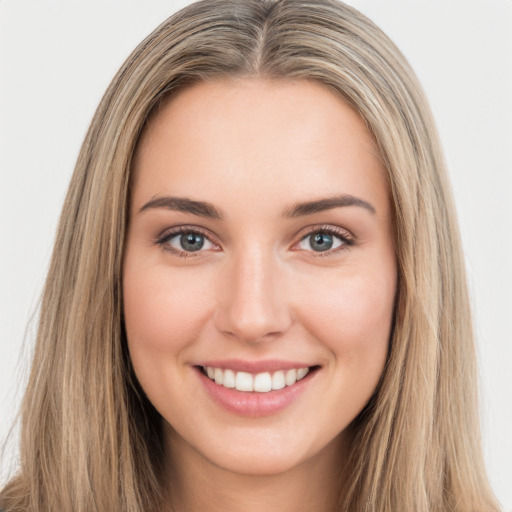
(57, 58)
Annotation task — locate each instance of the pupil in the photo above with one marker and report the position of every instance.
(192, 241)
(321, 242)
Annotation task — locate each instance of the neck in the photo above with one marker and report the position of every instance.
(197, 484)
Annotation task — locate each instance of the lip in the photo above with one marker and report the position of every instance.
(253, 404)
(269, 365)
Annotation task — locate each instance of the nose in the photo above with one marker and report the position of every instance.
(252, 298)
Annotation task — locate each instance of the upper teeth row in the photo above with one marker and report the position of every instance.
(261, 382)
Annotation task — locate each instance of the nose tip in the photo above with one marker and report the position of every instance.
(253, 305)
(250, 329)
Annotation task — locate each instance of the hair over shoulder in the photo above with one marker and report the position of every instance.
(90, 439)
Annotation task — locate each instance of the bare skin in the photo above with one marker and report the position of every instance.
(260, 236)
(318, 481)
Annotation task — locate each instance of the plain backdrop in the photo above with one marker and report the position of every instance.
(57, 58)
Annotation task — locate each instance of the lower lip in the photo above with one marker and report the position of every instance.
(255, 404)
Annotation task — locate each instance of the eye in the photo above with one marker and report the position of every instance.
(184, 241)
(325, 240)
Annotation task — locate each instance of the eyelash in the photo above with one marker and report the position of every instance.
(347, 240)
(164, 239)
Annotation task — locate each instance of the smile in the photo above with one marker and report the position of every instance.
(256, 389)
(259, 383)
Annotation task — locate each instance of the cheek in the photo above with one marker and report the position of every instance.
(352, 314)
(163, 310)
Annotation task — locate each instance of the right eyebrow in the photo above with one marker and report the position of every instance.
(182, 204)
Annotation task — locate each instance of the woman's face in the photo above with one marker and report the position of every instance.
(260, 247)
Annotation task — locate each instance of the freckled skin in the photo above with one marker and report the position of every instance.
(253, 148)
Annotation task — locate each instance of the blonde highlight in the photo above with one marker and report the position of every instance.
(90, 439)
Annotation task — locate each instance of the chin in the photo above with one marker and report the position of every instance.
(259, 464)
(257, 452)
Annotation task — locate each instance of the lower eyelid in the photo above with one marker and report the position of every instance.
(342, 244)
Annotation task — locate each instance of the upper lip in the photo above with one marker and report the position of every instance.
(269, 365)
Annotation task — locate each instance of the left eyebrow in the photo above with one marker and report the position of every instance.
(320, 205)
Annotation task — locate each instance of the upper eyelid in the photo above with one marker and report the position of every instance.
(176, 230)
(327, 228)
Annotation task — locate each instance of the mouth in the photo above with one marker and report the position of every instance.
(256, 388)
(262, 382)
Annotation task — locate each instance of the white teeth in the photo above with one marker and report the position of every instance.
(290, 377)
(260, 383)
(244, 382)
(302, 372)
(278, 381)
(263, 382)
(218, 375)
(229, 379)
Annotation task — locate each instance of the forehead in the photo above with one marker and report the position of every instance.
(253, 137)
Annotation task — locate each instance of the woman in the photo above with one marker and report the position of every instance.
(257, 296)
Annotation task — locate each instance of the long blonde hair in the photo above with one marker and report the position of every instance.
(91, 441)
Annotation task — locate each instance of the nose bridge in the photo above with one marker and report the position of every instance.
(253, 305)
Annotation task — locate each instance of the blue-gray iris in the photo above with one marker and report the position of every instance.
(321, 242)
(191, 241)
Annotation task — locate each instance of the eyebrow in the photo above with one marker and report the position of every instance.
(182, 204)
(320, 205)
(208, 210)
